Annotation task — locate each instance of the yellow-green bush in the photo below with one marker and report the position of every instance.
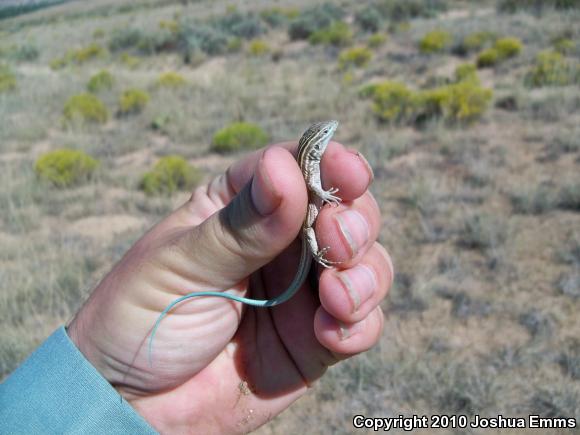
(461, 102)
(338, 33)
(488, 58)
(356, 56)
(170, 79)
(563, 45)
(503, 49)
(56, 64)
(171, 173)
(234, 45)
(102, 80)
(98, 33)
(133, 101)
(129, 61)
(466, 71)
(258, 47)
(376, 40)
(85, 108)
(392, 101)
(7, 79)
(87, 53)
(434, 41)
(78, 56)
(170, 25)
(550, 69)
(508, 47)
(476, 41)
(65, 167)
(239, 136)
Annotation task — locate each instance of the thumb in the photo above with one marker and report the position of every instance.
(256, 225)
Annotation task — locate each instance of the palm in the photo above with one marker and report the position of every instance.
(266, 365)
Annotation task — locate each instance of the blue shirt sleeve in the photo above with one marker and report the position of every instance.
(57, 390)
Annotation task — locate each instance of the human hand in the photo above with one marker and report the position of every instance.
(217, 366)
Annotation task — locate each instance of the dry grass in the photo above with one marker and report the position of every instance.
(482, 221)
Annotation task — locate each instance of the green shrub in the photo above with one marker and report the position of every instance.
(161, 123)
(85, 108)
(508, 47)
(170, 79)
(195, 38)
(354, 57)
(476, 41)
(434, 41)
(312, 19)
(65, 167)
(126, 39)
(563, 45)
(277, 16)
(550, 69)
(466, 71)
(171, 173)
(239, 136)
(338, 34)
(133, 101)
(404, 10)
(241, 25)
(537, 200)
(23, 53)
(102, 80)
(376, 40)
(487, 58)
(535, 6)
(258, 47)
(392, 101)
(369, 19)
(569, 197)
(7, 79)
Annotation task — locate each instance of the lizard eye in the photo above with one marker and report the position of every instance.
(326, 131)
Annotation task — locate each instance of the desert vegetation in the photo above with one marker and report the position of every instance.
(468, 113)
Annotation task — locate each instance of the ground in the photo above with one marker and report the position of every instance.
(481, 218)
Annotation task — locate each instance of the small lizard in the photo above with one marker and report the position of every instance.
(311, 147)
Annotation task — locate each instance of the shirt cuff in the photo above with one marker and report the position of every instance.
(57, 390)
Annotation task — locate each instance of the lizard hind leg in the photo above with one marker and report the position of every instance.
(318, 254)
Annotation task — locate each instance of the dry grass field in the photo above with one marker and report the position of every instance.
(477, 173)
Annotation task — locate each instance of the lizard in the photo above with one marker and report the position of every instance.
(311, 148)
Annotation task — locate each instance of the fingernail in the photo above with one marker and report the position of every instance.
(354, 228)
(264, 196)
(346, 331)
(368, 166)
(359, 283)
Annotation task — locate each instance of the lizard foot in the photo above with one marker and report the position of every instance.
(320, 257)
(329, 197)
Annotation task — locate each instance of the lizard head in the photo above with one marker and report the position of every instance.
(317, 136)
